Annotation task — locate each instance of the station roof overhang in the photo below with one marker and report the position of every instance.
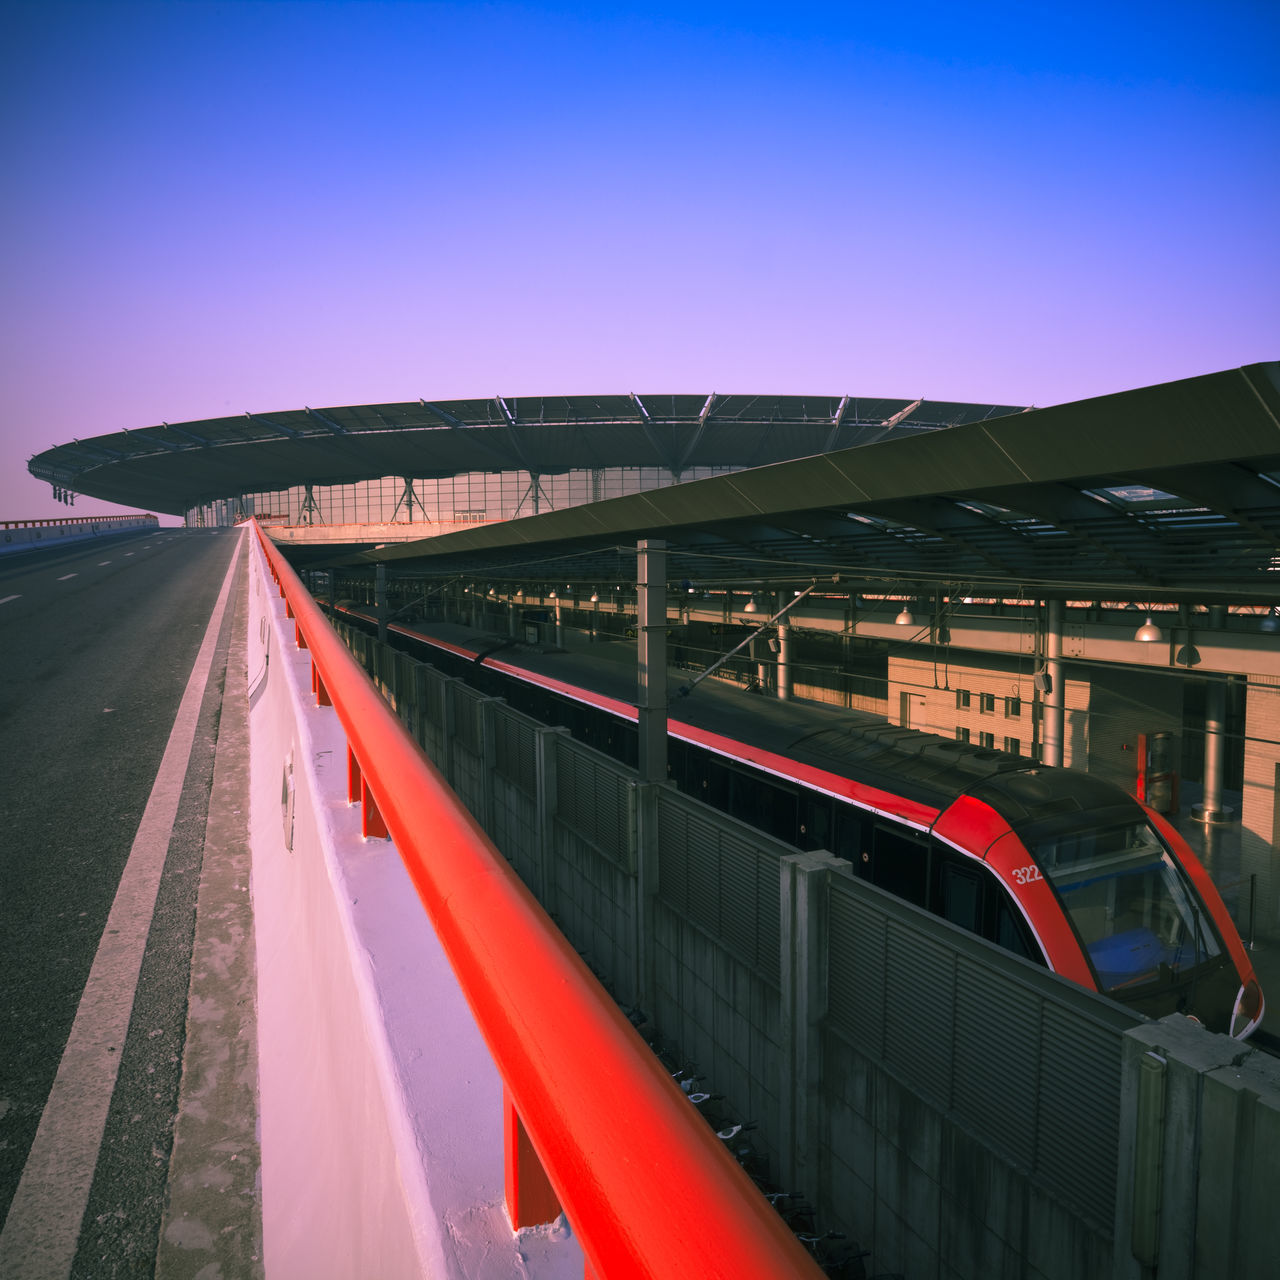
(174, 468)
(1164, 493)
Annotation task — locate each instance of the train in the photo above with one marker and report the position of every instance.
(1061, 867)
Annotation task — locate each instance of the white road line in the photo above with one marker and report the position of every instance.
(41, 1232)
(8, 598)
(128, 553)
(65, 576)
(102, 562)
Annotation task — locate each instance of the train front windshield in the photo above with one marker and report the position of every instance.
(1131, 905)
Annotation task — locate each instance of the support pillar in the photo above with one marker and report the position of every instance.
(651, 654)
(1211, 808)
(531, 1199)
(784, 656)
(380, 600)
(1055, 695)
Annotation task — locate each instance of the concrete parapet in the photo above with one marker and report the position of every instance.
(1199, 1157)
(381, 1109)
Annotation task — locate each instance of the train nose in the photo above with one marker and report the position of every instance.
(1248, 1009)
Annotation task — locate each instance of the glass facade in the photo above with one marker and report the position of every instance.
(471, 497)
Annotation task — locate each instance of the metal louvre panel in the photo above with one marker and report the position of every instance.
(748, 910)
(673, 854)
(466, 719)
(514, 749)
(918, 1018)
(722, 882)
(702, 874)
(1080, 1074)
(856, 968)
(995, 1090)
(436, 687)
(592, 799)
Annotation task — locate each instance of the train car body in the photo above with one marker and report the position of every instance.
(1056, 865)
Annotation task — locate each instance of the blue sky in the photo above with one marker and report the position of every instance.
(215, 208)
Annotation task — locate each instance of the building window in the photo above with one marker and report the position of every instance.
(962, 734)
(1013, 746)
(1012, 708)
(986, 739)
(987, 702)
(962, 699)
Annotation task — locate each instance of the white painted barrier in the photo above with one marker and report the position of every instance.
(380, 1107)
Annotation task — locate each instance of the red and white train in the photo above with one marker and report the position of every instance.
(1056, 865)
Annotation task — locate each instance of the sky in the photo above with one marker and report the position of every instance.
(218, 208)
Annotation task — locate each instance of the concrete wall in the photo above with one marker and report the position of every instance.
(23, 536)
(381, 1109)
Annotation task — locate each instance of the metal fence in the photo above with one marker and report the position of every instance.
(883, 1054)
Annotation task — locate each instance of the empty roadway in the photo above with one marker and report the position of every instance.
(97, 646)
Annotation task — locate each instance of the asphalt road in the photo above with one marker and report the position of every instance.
(97, 643)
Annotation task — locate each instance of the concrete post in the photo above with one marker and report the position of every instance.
(1161, 1147)
(804, 1005)
(646, 891)
(651, 654)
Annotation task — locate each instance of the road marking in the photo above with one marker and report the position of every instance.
(8, 598)
(102, 562)
(43, 1227)
(128, 553)
(65, 576)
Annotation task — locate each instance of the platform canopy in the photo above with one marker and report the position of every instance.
(1169, 492)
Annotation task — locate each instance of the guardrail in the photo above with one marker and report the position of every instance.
(592, 1120)
(51, 522)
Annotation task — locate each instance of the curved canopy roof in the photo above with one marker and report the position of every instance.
(1166, 492)
(174, 467)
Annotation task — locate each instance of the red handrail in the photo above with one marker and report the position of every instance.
(650, 1190)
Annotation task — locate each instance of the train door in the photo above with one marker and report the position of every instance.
(900, 863)
(815, 829)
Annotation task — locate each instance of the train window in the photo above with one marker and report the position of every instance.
(901, 864)
(1129, 902)
(1010, 931)
(962, 897)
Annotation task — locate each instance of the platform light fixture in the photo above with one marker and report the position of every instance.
(1149, 633)
(905, 618)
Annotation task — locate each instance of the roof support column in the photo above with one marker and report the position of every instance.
(651, 653)
(1055, 699)
(310, 513)
(784, 653)
(1210, 809)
